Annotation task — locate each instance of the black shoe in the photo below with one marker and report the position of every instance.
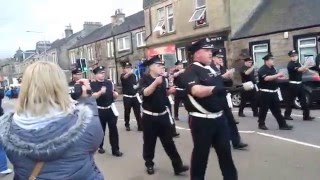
(288, 118)
(255, 114)
(128, 128)
(176, 119)
(101, 151)
(181, 169)
(117, 153)
(263, 127)
(241, 115)
(308, 119)
(241, 145)
(286, 127)
(150, 170)
(176, 135)
(139, 129)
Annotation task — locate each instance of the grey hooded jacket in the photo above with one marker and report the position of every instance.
(66, 146)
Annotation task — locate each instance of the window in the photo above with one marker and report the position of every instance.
(199, 15)
(140, 37)
(110, 50)
(307, 48)
(161, 21)
(90, 53)
(181, 53)
(170, 19)
(123, 43)
(81, 53)
(54, 57)
(72, 57)
(165, 21)
(258, 52)
(113, 75)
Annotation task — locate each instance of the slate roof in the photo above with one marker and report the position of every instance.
(274, 16)
(132, 22)
(60, 42)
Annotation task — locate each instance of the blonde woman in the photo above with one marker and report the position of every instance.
(48, 137)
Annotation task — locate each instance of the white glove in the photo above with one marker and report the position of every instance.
(247, 86)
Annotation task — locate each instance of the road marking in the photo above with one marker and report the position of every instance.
(262, 134)
(297, 115)
(289, 140)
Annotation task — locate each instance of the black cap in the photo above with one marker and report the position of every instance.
(292, 53)
(126, 64)
(178, 62)
(248, 58)
(205, 43)
(76, 70)
(98, 69)
(153, 60)
(217, 53)
(267, 57)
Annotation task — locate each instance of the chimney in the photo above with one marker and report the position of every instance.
(68, 31)
(118, 17)
(91, 26)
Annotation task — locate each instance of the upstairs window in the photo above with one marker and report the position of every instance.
(199, 14)
(124, 43)
(140, 37)
(165, 23)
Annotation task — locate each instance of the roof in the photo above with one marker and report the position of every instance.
(60, 42)
(132, 22)
(149, 3)
(274, 16)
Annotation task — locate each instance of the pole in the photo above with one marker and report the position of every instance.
(115, 54)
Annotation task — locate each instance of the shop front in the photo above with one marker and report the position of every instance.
(167, 53)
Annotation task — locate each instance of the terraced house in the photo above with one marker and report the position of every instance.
(121, 40)
(238, 27)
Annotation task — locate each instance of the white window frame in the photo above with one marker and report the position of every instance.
(170, 16)
(72, 57)
(181, 52)
(113, 74)
(90, 53)
(201, 9)
(259, 51)
(161, 19)
(81, 54)
(123, 41)
(54, 57)
(314, 45)
(140, 39)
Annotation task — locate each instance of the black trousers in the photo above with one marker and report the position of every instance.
(270, 101)
(173, 125)
(133, 103)
(107, 117)
(204, 132)
(296, 90)
(154, 127)
(249, 96)
(177, 101)
(233, 129)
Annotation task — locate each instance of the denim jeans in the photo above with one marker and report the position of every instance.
(3, 159)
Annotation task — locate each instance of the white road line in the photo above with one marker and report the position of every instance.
(289, 140)
(297, 115)
(259, 133)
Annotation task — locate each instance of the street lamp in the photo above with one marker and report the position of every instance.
(45, 43)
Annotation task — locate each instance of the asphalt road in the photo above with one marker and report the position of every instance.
(272, 154)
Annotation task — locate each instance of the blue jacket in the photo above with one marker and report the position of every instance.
(66, 145)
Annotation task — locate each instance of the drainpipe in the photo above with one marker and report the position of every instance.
(115, 54)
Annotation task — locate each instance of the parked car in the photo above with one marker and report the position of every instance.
(311, 84)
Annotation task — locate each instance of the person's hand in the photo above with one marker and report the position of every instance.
(172, 90)
(103, 90)
(158, 80)
(115, 94)
(280, 74)
(85, 82)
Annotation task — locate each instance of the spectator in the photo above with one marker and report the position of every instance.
(49, 134)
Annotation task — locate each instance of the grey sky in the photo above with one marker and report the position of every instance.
(51, 17)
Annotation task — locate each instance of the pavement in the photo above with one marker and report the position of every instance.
(272, 154)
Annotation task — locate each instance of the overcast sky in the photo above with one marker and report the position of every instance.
(51, 17)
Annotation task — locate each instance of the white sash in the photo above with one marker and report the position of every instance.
(171, 100)
(139, 98)
(114, 109)
(279, 94)
(170, 117)
(229, 100)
